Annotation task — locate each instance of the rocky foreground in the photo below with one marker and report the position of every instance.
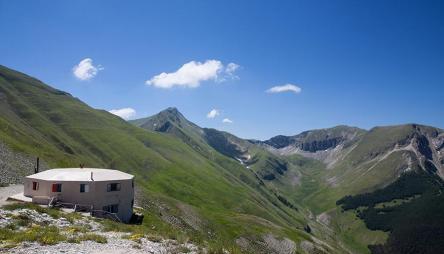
(116, 244)
(24, 230)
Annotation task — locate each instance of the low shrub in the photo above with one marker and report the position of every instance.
(92, 237)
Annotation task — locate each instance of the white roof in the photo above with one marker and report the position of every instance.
(81, 174)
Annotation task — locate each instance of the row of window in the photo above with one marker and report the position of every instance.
(57, 187)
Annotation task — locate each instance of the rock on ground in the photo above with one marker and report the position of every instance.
(115, 245)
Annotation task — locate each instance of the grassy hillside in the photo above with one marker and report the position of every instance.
(411, 209)
(374, 165)
(208, 198)
(358, 162)
(225, 192)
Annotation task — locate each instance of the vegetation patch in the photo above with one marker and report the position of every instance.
(47, 235)
(92, 237)
(53, 212)
(416, 225)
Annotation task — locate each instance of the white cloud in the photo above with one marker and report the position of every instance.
(125, 113)
(226, 120)
(191, 74)
(213, 113)
(284, 88)
(231, 68)
(85, 70)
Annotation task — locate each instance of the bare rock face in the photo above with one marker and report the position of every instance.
(316, 140)
(324, 144)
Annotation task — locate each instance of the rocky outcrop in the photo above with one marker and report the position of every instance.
(316, 140)
(279, 141)
(319, 145)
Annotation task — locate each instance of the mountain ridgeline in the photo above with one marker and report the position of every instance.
(335, 190)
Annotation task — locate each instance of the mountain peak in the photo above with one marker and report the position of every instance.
(172, 114)
(167, 120)
(171, 110)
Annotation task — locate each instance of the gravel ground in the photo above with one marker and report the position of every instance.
(115, 245)
(8, 191)
(116, 242)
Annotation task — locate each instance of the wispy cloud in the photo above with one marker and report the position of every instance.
(193, 73)
(231, 69)
(213, 113)
(226, 120)
(85, 70)
(125, 113)
(285, 88)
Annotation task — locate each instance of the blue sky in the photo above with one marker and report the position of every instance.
(360, 63)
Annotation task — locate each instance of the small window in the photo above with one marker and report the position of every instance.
(84, 187)
(57, 187)
(113, 187)
(111, 208)
(35, 185)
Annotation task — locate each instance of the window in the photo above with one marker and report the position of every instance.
(84, 187)
(35, 185)
(113, 187)
(57, 187)
(111, 208)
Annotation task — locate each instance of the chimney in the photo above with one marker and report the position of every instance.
(37, 166)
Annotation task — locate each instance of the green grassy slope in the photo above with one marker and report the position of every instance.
(212, 143)
(213, 198)
(375, 161)
(379, 157)
(215, 187)
(411, 209)
(367, 161)
(273, 172)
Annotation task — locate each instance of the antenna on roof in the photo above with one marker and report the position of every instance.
(92, 179)
(36, 167)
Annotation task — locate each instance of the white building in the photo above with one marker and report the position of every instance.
(101, 191)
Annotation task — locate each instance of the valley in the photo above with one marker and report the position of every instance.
(321, 191)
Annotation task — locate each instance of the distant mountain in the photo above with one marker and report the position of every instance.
(334, 190)
(391, 177)
(341, 144)
(322, 144)
(317, 140)
(353, 161)
(186, 187)
(207, 141)
(169, 120)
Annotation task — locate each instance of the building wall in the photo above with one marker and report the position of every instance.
(124, 197)
(98, 196)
